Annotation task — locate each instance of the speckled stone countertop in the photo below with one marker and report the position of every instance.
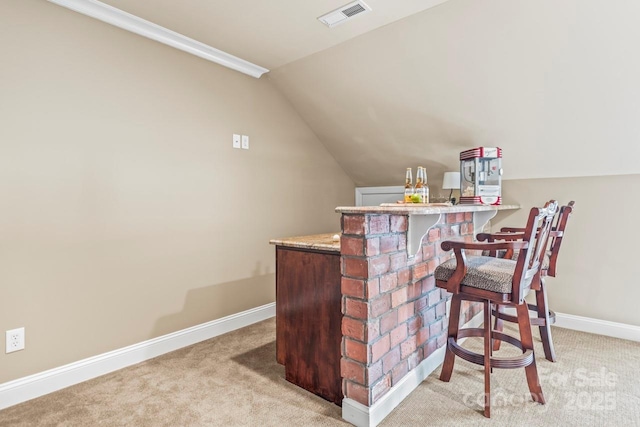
(325, 242)
(402, 209)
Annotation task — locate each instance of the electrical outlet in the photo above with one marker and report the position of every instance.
(236, 140)
(245, 142)
(15, 340)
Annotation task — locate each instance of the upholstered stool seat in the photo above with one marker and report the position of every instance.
(496, 281)
(483, 272)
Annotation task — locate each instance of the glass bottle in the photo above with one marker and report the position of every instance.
(419, 190)
(421, 185)
(425, 185)
(408, 186)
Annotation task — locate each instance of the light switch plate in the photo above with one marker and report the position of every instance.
(236, 140)
(245, 142)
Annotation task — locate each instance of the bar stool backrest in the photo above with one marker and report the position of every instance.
(557, 235)
(530, 259)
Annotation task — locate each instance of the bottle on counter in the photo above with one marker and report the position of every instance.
(421, 185)
(408, 186)
(425, 183)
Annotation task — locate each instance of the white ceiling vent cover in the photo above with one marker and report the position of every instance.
(344, 13)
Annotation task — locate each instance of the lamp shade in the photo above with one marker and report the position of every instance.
(451, 180)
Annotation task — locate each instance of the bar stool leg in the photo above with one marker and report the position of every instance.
(487, 359)
(498, 326)
(545, 329)
(454, 322)
(533, 381)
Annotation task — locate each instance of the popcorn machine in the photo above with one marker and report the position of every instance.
(481, 176)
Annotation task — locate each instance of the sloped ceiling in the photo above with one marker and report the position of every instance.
(554, 83)
(268, 33)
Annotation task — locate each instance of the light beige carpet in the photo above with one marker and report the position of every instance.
(233, 380)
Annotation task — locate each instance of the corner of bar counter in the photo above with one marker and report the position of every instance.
(368, 297)
(423, 218)
(388, 258)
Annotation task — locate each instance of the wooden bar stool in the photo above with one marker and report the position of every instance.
(492, 281)
(544, 317)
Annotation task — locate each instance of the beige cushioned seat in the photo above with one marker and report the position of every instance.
(483, 272)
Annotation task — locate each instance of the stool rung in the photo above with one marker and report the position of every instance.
(496, 362)
(535, 321)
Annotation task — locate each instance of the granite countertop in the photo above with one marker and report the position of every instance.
(325, 242)
(408, 209)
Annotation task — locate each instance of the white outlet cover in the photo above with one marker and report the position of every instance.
(14, 340)
(245, 142)
(236, 140)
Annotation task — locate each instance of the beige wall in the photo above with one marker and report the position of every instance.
(596, 268)
(553, 82)
(125, 213)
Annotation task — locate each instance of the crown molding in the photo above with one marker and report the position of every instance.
(129, 22)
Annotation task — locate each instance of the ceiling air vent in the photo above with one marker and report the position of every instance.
(344, 13)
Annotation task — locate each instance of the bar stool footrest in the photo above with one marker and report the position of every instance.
(514, 362)
(535, 321)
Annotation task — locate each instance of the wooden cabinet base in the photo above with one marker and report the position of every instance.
(309, 319)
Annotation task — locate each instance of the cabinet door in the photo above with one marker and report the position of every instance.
(308, 320)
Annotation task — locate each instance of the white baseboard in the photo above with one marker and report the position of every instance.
(370, 416)
(593, 326)
(27, 388)
(364, 416)
(596, 326)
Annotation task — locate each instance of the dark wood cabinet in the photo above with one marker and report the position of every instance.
(309, 318)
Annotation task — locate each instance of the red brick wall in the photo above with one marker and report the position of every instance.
(394, 316)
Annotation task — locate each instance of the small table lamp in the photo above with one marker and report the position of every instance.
(451, 181)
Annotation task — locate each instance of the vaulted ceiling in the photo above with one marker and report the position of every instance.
(412, 84)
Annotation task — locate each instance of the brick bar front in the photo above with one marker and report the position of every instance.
(393, 314)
